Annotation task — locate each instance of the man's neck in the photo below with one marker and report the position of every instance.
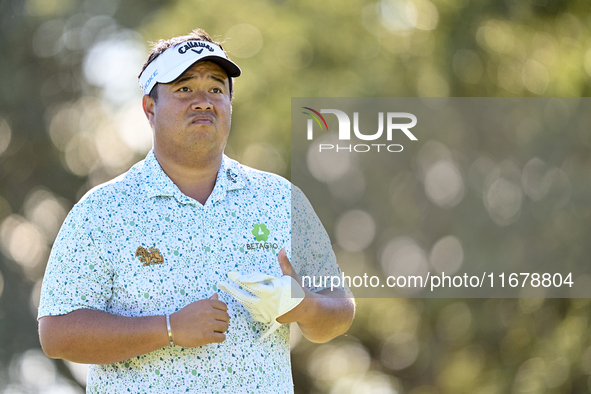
(195, 180)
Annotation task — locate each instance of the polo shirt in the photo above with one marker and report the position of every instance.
(138, 246)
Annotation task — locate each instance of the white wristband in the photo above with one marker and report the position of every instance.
(169, 330)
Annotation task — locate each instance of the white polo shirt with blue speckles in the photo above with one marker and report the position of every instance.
(137, 246)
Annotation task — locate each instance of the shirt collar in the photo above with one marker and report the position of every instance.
(230, 177)
(158, 184)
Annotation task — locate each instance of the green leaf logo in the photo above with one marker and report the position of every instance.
(260, 232)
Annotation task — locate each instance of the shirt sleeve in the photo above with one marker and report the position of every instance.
(77, 276)
(312, 253)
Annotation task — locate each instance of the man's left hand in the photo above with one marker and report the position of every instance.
(297, 313)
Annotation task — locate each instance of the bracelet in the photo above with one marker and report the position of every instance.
(169, 330)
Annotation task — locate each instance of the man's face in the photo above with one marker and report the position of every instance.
(191, 117)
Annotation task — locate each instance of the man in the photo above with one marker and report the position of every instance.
(132, 281)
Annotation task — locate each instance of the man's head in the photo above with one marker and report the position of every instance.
(169, 59)
(187, 99)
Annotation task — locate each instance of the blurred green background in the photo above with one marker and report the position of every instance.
(70, 118)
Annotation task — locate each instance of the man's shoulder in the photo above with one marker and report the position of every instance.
(125, 187)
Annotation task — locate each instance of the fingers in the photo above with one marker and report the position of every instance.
(215, 333)
(217, 337)
(218, 312)
(200, 322)
(221, 316)
(284, 262)
(216, 303)
(219, 305)
(220, 326)
(286, 266)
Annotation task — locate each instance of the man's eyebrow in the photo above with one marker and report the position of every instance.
(183, 79)
(188, 77)
(219, 79)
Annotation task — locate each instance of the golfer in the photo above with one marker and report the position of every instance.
(176, 277)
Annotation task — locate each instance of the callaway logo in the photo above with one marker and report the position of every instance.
(197, 51)
(260, 232)
(193, 44)
(231, 177)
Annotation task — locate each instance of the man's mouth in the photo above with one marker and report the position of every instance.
(202, 119)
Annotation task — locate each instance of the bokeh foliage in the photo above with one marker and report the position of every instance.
(70, 118)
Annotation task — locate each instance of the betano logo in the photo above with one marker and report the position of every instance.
(345, 130)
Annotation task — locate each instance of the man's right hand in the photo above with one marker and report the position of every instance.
(200, 323)
(95, 337)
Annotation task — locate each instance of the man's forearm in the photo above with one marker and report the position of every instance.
(333, 317)
(96, 337)
(322, 316)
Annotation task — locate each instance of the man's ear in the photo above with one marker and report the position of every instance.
(148, 104)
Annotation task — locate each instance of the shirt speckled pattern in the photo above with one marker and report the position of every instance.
(241, 227)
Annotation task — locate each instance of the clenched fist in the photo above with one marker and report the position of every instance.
(201, 322)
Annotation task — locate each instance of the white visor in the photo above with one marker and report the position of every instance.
(173, 62)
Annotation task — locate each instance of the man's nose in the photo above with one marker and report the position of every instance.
(201, 102)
